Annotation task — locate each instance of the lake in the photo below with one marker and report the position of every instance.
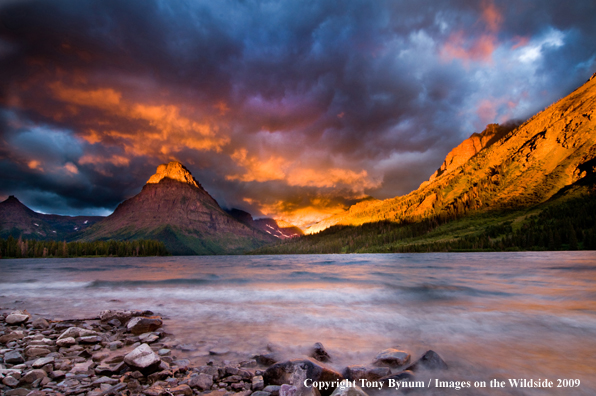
(520, 315)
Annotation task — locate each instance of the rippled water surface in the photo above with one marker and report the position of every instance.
(489, 315)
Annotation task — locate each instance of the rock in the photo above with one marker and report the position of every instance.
(115, 345)
(429, 361)
(267, 359)
(13, 357)
(75, 332)
(257, 383)
(272, 389)
(183, 364)
(94, 339)
(40, 323)
(288, 390)
(33, 376)
(18, 392)
(402, 376)
(181, 390)
(297, 370)
(17, 317)
(10, 381)
(348, 391)
(57, 375)
(36, 393)
(120, 316)
(261, 393)
(202, 381)
(142, 358)
(35, 352)
(140, 325)
(39, 363)
(99, 356)
(115, 323)
(14, 336)
(82, 368)
(66, 342)
(218, 351)
(392, 358)
(319, 353)
(363, 372)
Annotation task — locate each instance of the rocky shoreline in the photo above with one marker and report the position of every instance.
(129, 353)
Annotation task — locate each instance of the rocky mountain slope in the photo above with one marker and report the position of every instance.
(277, 228)
(18, 220)
(175, 209)
(499, 169)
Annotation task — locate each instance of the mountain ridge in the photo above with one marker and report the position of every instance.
(512, 169)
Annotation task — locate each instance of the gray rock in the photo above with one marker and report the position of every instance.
(36, 351)
(297, 370)
(140, 325)
(14, 336)
(32, 376)
(202, 381)
(142, 357)
(75, 332)
(10, 381)
(39, 363)
(13, 357)
(17, 317)
(319, 353)
(94, 339)
(392, 358)
(272, 389)
(66, 342)
(40, 323)
(429, 361)
(257, 383)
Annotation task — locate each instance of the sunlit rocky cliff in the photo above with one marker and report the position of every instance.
(499, 168)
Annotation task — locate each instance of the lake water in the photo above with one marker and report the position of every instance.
(489, 315)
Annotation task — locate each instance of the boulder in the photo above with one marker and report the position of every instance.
(392, 358)
(319, 353)
(140, 325)
(142, 358)
(181, 390)
(17, 317)
(429, 361)
(296, 371)
(36, 351)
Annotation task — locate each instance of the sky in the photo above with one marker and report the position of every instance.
(286, 109)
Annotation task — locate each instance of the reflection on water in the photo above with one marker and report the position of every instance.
(489, 315)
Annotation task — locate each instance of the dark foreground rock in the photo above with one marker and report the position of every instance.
(107, 356)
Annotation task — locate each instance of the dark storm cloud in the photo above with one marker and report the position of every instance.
(277, 107)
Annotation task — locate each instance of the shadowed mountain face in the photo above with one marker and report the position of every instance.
(175, 209)
(277, 228)
(499, 168)
(19, 221)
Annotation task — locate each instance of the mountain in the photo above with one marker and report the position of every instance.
(278, 228)
(175, 209)
(18, 220)
(503, 168)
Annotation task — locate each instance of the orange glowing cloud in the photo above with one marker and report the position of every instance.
(117, 160)
(277, 168)
(159, 130)
(256, 170)
(301, 216)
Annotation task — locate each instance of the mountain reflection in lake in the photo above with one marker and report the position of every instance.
(489, 315)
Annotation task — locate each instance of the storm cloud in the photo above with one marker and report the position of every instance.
(289, 109)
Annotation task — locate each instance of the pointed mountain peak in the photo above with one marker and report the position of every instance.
(175, 171)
